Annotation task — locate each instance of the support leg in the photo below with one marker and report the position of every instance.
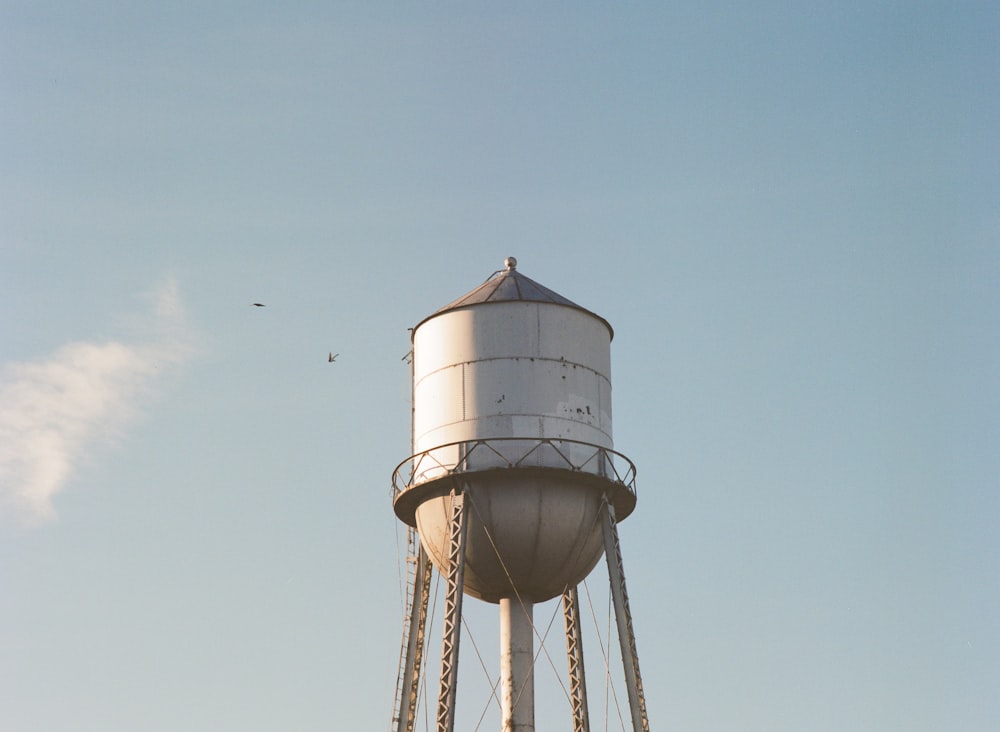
(517, 660)
(451, 632)
(574, 652)
(626, 634)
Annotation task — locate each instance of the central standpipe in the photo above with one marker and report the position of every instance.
(517, 657)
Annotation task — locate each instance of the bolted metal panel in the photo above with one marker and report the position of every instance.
(527, 537)
(508, 285)
(489, 371)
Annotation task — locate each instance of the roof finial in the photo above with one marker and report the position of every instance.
(510, 263)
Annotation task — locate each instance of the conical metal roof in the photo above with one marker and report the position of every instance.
(508, 285)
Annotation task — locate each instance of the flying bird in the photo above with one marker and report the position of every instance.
(259, 305)
(333, 356)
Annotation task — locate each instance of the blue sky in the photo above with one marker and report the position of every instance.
(789, 214)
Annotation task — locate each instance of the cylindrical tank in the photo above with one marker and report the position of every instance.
(512, 406)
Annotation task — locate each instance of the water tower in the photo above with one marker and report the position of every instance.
(513, 490)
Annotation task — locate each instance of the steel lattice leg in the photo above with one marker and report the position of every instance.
(574, 652)
(626, 633)
(451, 631)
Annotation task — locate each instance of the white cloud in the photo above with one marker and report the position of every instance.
(53, 410)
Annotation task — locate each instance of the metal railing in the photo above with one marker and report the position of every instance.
(470, 456)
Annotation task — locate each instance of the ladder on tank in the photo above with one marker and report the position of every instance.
(418, 581)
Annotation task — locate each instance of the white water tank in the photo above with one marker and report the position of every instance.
(512, 407)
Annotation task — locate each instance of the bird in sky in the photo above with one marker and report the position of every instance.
(333, 356)
(259, 305)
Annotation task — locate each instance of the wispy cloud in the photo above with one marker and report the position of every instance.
(53, 410)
